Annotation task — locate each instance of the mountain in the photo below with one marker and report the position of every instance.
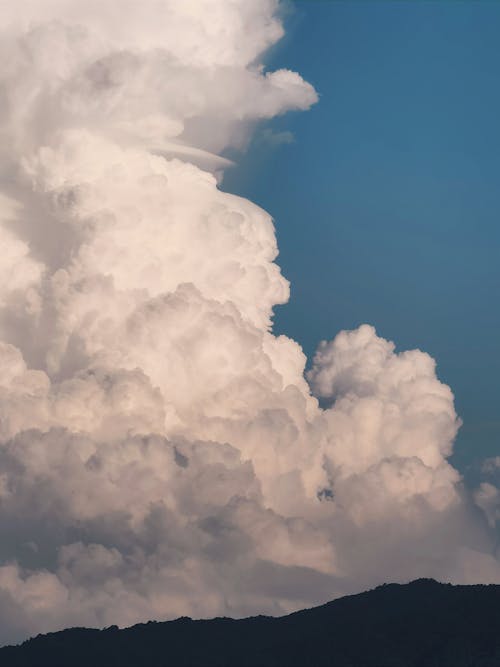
(421, 624)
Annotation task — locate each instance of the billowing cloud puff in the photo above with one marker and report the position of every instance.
(487, 495)
(161, 452)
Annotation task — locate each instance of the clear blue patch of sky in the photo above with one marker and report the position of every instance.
(387, 204)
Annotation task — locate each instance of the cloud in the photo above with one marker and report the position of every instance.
(487, 495)
(161, 452)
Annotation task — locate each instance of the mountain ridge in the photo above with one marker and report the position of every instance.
(420, 624)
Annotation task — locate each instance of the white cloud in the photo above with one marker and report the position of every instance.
(487, 497)
(160, 450)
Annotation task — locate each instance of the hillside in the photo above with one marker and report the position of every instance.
(421, 624)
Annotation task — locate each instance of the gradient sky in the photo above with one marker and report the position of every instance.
(387, 201)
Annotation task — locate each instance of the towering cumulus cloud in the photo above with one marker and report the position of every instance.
(161, 452)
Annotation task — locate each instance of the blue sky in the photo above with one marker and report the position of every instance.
(387, 203)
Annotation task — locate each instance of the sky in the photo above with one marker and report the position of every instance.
(175, 440)
(387, 201)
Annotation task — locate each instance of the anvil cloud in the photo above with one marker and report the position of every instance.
(161, 450)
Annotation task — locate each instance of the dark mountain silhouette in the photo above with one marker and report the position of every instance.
(422, 624)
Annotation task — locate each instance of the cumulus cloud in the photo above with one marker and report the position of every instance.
(161, 451)
(487, 495)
